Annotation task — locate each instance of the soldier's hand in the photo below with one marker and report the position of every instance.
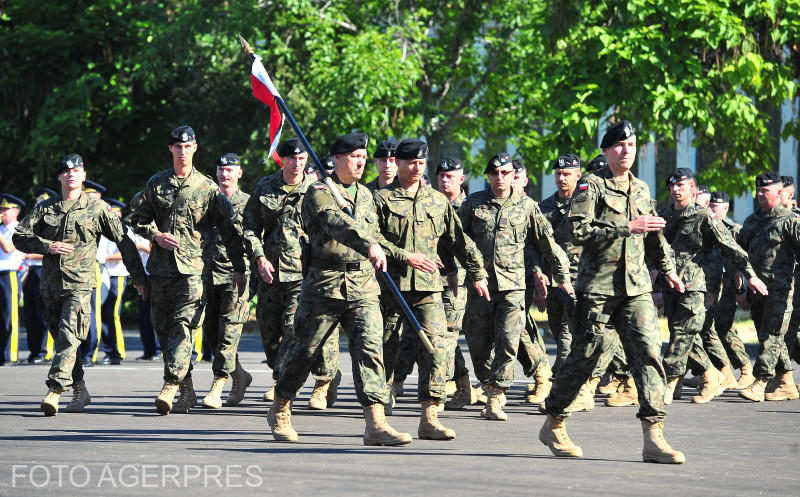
(142, 291)
(658, 299)
(439, 263)
(420, 262)
(757, 286)
(166, 241)
(567, 287)
(377, 257)
(541, 302)
(646, 223)
(240, 283)
(265, 269)
(540, 284)
(710, 299)
(482, 289)
(674, 282)
(452, 282)
(60, 248)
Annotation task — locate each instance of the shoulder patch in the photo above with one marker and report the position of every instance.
(583, 186)
(319, 187)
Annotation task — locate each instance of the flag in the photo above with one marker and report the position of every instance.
(265, 91)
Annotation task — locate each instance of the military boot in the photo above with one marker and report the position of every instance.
(397, 388)
(165, 398)
(670, 390)
(585, 399)
(214, 397)
(269, 395)
(611, 387)
(554, 435)
(462, 396)
(755, 391)
(188, 398)
(727, 379)
(656, 448)
(542, 388)
(694, 382)
(785, 390)
(333, 388)
(49, 405)
(747, 378)
(449, 387)
(628, 395)
(430, 428)
(480, 394)
(241, 380)
(378, 431)
(494, 404)
(319, 396)
(711, 387)
(279, 418)
(80, 398)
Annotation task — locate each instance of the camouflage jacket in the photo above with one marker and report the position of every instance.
(422, 222)
(693, 233)
(613, 258)
(457, 203)
(504, 231)
(373, 185)
(555, 210)
(81, 225)
(772, 241)
(218, 264)
(273, 225)
(338, 244)
(721, 271)
(201, 207)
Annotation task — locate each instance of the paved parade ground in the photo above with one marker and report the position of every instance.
(120, 446)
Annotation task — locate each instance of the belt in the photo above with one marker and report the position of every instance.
(341, 266)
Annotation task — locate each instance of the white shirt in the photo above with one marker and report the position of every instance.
(106, 248)
(10, 261)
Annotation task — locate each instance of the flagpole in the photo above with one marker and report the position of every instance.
(343, 205)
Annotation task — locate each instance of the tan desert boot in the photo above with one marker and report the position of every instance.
(319, 396)
(378, 431)
(241, 380)
(494, 404)
(333, 388)
(397, 388)
(755, 391)
(49, 405)
(669, 392)
(461, 398)
(611, 387)
(584, 401)
(543, 385)
(80, 398)
(480, 394)
(214, 397)
(711, 387)
(627, 395)
(430, 428)
(786, 389)
(269, 395)
(656, 449)
(279, 418)
(187, 399)
(554, 435)
(747, 378)
(727, 380)
(165, 398)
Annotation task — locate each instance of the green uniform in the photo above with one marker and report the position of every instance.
(67, 281)
(340, 287)
(504, 231)
(189, 208)
(614, 286)
(424, 222)
(793, 334)
(226, 311)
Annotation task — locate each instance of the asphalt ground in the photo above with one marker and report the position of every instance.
(121, 446)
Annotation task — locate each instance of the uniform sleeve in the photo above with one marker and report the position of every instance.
(586, 229)
(25, 238)
(320, 208)
(394, 253)
(230, 229)
(542, 234)
(659, 252)
(459, 244)
(718, 234)
(791, 233)
(111, 228)
(252, 226)
(144, 214)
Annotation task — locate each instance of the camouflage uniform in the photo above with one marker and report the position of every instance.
(273, 228)
(188, 208)
(693, 232)
(504, 231)
(772, 241)
(614, 286)
(226, 311)
(424, 222)
(793, 334)
(340, 287)
(67, 281)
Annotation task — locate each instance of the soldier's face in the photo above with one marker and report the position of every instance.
(788, 196)
(521, 178)
(350, 166)
(682, 191)
(72, 178)
(704, 199)
(769, 196)
(720, 209)
(294, 165)
(387, 167)
(501, 180)
(566, 179)
(411, 171)
(9, 214)
(621, 155)
(450, 181)
(182, 153)
(228, 176)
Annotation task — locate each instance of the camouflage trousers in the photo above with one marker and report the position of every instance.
(493, 331)
(315, 321)
(177, 305)
(793, 332)
(275, 312)
(67, 313)
(636, 322)
(724, 312)
(226, 314)
(771, 315)
(686, 317)
(612, 356)
(532, 351)
(559, 322)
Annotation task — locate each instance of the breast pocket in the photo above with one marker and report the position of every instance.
(85, 228)
(50, 226)
(397, 219)
(616, 208)
(433, 215)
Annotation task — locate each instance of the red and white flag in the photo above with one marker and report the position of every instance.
(265, 91)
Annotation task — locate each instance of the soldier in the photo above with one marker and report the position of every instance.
(703, 196)
(387, 165)
(66, 232)
(89, 347)
(274, 233)
(503, 222)
(771, 237)
(613, 219)
(692, 231)
(10, 262)
(178, 209)
(226, 312)
(793, 332)
(416, 221)
(340, 288)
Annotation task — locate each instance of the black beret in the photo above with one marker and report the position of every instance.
(93, 186)
(328, 162)
(385, 149)
(518, 165)
(766, 179)
(567, 161)
(449, 164)
(43, 193)
(347, 143)
(679, 174)
(597, 163)
(498, 160)
(8, 201)
(181, 134)
(291, 147)
(228, 159)
(720, 198)
(114, 203)
(703, 190)
(617, 132)
(411, 149)
(69, 162)
(787, 180)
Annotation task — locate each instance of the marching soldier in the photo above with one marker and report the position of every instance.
(387, 165)
(90, 346)
(10, 262)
